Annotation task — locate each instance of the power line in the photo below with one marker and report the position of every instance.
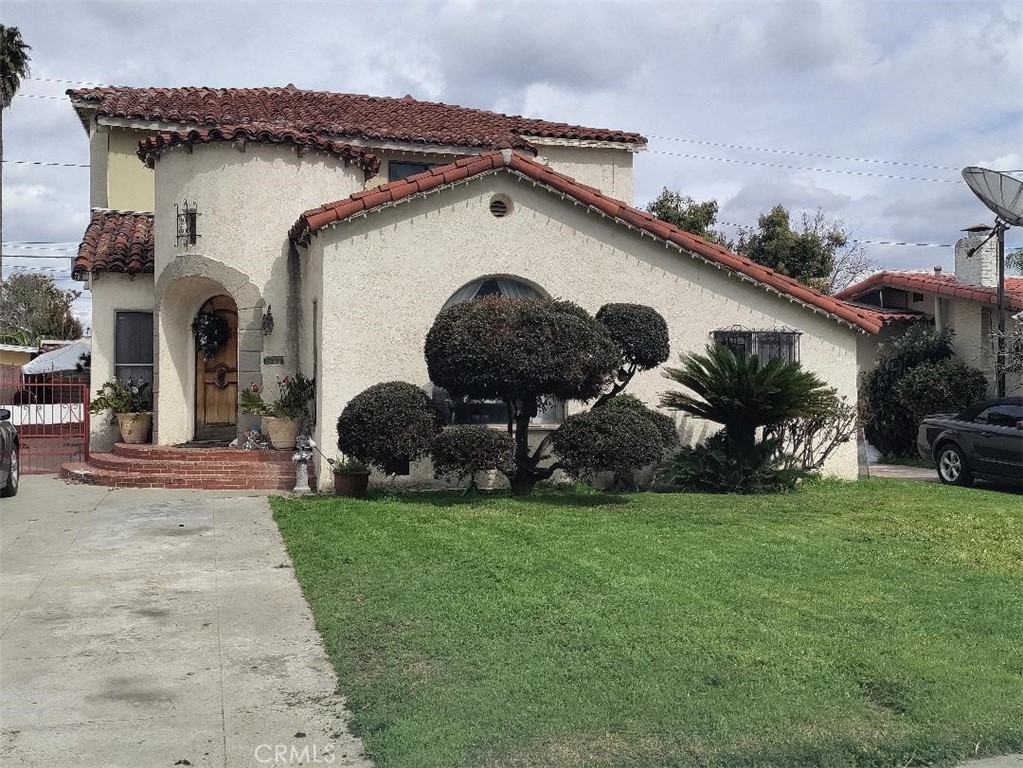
(803, 168)
(68, 247)
(37, 256)
(806, 154)
(39, 96)
(41, 162)
(68, 82)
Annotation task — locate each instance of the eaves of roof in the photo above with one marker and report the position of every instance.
(516, 162)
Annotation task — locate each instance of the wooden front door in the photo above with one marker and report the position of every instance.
(216, 379)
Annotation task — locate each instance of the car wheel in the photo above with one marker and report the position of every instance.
(952, 466)
(13, 476)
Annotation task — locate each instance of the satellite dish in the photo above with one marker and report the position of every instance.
(999, 191)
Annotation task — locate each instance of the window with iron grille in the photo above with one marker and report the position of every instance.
(133, 347)
(779, 344)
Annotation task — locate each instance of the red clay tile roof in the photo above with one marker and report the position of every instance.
(333, 114)
(152, 147)
(887, 316)
(942, 284)
(516, 162)
(116, 241)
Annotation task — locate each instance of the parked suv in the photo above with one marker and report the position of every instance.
(984, 441)
(9, 445)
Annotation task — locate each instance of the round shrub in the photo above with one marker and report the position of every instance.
(947, 386)
(616, 440)
(388, 425)
(664, 423)
(639, 330)
(463, 451)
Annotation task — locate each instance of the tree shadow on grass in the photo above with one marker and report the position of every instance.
(552, 497)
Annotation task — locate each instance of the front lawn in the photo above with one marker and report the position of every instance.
(876, 623)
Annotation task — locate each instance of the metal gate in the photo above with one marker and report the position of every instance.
(52, 419)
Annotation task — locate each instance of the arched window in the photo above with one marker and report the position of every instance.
(468, 411)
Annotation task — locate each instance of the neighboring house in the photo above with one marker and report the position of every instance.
(965, 302)
(229, 210)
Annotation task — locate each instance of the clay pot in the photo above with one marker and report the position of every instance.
(281, 432)
(353, 484)
(134, 427)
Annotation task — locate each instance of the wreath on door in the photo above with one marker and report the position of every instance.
(211, 333)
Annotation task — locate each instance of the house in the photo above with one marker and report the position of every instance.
(330, 229)
(965, 301)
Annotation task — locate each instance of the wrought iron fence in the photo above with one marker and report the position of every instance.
(51, 415)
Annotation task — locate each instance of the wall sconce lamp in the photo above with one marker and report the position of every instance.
(268, 321)
(187, 223)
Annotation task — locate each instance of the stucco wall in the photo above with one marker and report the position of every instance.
(247, 201)
(608, 170)
(112, 293)
(129, 182)
(390, 273)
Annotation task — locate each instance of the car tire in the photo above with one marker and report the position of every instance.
(13, 477)
(953, 468)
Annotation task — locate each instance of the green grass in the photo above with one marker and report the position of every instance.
(877, 623)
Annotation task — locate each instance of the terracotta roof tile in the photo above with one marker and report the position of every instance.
(942, 284)
(150, 148)
(333, 114)
(519, 163)
(116, 241)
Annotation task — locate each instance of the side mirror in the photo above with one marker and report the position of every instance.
(4, 414)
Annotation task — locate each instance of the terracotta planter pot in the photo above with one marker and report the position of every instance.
(134, 427)
(353, 484)
(282, 432)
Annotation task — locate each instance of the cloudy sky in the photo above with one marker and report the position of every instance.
(864, 109)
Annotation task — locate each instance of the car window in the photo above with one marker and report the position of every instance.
(1007, 415)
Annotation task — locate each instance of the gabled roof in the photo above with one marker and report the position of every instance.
(333, 114)
(152, 147)
(519, 163)
(941, 284)
(116, 241)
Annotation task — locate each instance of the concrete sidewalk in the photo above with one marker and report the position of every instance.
(148, 628)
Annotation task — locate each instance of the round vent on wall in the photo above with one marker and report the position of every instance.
(500, 206)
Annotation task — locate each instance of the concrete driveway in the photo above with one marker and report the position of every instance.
(157, 628)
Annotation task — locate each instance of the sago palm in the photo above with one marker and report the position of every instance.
(742, 393)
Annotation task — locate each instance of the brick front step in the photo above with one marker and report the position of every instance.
(147, 466)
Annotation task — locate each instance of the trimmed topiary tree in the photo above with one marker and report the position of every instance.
(620, 440)
(641, 334)
(463, 451)
(388, 426)
(521, 351)
(663, 422)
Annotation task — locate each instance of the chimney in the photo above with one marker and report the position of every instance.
(937, 270)
(982, 267)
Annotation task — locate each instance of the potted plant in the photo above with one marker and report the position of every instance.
(131, 404)
(351, 477)
(251, 409)
(283, 418)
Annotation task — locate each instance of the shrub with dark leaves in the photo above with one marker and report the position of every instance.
(639, 330)
(711, 468)
(616, 440)
(945, 387)
(388, 425)
(462, 451)
(664, 423)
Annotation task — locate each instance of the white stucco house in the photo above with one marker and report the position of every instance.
(353, 220)
(964, 301)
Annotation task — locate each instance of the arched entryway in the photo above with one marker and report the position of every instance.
(216, 372)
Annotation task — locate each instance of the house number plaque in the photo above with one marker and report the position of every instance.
(273, 360)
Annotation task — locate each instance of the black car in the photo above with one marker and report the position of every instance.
(9, 445)
(985, 441)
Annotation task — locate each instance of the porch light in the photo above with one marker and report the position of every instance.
(268, 321)
(187, 223)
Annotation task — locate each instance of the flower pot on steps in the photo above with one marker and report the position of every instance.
(134, 427)
(282, 432)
